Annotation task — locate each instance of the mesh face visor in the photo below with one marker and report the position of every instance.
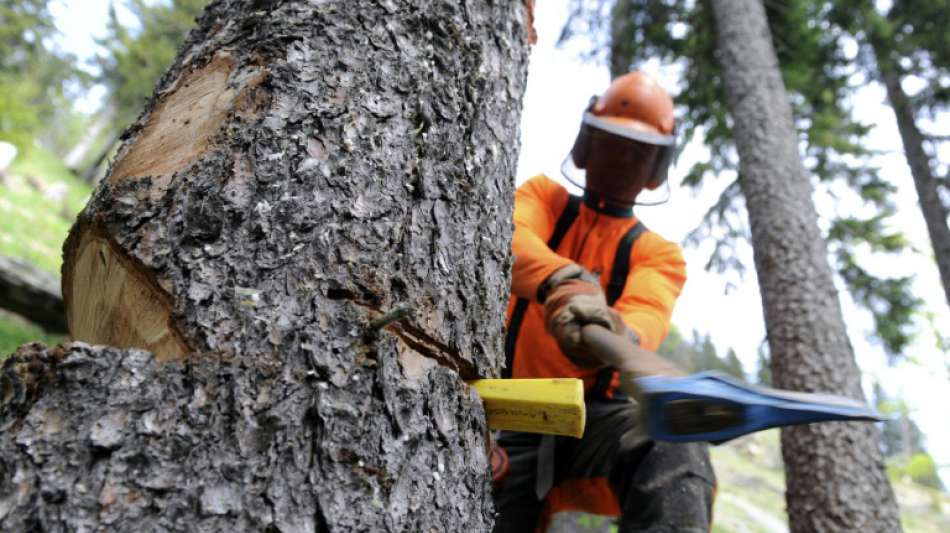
(616, 162)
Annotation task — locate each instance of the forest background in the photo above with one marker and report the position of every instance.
(75, 73)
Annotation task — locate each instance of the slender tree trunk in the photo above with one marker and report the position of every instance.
(309, 231)
(834, 471)
(91, 172)
(935, 213)
(79, 152)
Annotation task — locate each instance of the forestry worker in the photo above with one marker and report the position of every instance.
(588, 259)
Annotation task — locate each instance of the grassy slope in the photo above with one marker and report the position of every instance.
(750, 471)
(39, 198)
(14, 332)
(751, 497)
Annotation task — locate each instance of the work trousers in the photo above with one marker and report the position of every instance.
(659, 487)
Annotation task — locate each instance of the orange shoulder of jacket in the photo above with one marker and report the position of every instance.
(652, 288)
(538, 204)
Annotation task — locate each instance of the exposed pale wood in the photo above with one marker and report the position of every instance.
(184, 122)
(112, 302)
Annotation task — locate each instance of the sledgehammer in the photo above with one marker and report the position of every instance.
(709, 406)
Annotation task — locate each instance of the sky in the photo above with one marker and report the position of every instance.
(559, 86)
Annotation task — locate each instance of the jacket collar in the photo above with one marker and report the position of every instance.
(601, 206)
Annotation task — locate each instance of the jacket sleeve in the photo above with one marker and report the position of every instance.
(657, 276)
(538, 203)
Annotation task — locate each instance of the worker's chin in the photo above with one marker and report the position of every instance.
(621, 198)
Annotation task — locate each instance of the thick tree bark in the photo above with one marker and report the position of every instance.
(309, 228)
(834, 471)
(32, 294)
(935, 213)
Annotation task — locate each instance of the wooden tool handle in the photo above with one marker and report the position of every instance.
(630, 359)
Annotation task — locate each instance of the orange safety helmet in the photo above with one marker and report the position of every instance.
(625, 142)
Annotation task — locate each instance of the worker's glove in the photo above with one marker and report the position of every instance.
(569, 306)
(571, 271)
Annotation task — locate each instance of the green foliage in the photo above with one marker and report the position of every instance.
(136, 58)
(919, 468)
(900, 435)
(889, 300)
(903, 443)
(15, 332)
(817, 76)
(34, 78)
(912, 36)
(699, 354)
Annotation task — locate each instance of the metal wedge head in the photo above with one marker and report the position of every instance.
(716, 408)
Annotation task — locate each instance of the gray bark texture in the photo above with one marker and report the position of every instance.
(32, 294)
(834, 471)
(935, 213)
(321, 194)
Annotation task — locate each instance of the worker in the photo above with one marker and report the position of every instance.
(588, 260)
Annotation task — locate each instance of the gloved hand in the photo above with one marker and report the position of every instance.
(569, 305)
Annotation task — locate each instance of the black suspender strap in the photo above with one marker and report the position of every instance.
(618, 274)
(561, 227)
(618, 278)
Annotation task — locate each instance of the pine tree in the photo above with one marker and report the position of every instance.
(834, 472)
(33, 75)
(815, 72)
(912, 34)
(306, 229)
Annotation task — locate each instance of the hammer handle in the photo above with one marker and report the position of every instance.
(631, 360)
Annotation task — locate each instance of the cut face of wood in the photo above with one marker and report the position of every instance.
(110, 301)
(182, 125)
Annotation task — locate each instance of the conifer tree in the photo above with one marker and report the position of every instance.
(815, 72)
(33, 74)
(911, 39)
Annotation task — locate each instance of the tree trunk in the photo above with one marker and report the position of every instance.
(834, 471)
(80, 151)
(309, 228)
(935, 213)
(32, 294)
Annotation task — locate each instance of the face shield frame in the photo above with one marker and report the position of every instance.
(642, 142)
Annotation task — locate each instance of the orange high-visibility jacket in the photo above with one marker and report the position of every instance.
(654, 280)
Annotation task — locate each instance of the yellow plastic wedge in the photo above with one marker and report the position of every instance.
(549, 406)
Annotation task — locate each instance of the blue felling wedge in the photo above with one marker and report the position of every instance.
(714, 407)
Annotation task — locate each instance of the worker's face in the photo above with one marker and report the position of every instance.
(617, 168)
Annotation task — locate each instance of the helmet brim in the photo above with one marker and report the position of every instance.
(629, 129)
(641, 160)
